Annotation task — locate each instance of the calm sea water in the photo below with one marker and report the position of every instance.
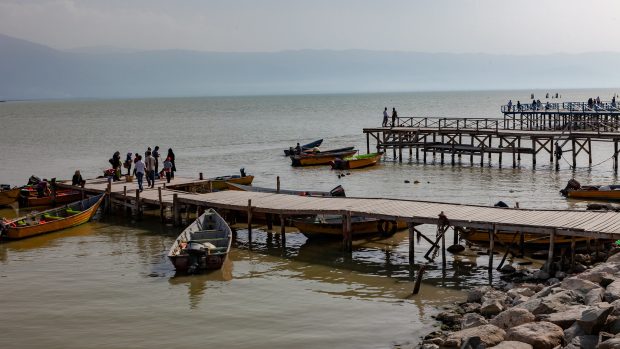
(108, 283)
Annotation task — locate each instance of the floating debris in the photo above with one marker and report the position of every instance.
(407, 181)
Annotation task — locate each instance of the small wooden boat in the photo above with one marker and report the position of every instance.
(356, 161)
(530, 240)
(320, 158)
(336, 192)
(9, 196)
(291, 151)
(29, 198)
(203, 245)
(219, 183)
(330, 226)
(575, 190)
(52, 220)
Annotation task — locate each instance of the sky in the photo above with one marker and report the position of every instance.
(454, 26)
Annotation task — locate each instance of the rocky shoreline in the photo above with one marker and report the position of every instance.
(579, 308)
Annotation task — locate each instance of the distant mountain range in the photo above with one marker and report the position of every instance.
(29, 70)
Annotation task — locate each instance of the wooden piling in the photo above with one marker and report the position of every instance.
(176, 217)
(411, 227)
(347, 241)
(138, 205)
(283, 231)
(551, 248)
(492, 246)
(249, 220)
(418, 279)
(161, 205)
(278, 184)
(269, 218)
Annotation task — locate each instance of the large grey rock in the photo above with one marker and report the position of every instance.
(429, 346)
(612, 292)
(566, 318)
(470, 320)
(583, 342)
(495, 295)
(512, 317)
(552, 303)
(541, 275)
(614, 258)
(449, 317)
(613, 343)
(520, 291)
(574, 331)
(545, 291)
(541, 335)
(594, 296)
(580, 286)
(491, 307)
(612, 324)
(489, 335)
(593, 319)
(598, 273)
(520, 299)
(471, 307)
(475, 295)
(512, 345)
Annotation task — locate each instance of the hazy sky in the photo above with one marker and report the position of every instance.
(489, 26)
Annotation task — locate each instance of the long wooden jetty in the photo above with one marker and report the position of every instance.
(554, 129)
(195, 194)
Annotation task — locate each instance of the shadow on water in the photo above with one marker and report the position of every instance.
(197, 284)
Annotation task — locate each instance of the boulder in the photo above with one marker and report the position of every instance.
(598, 273)
(552, 281)
(614, 258)
(541, 335)
(507, 269)
(491, 307)
(471, 307)
(566, 318)
(552, 303)
(583, 342)
(470, 320)
(593, 319)
(475, 295)
(574, 331)
(613, 343)
(545, 291)
(489, 335)
(578, 285)
(520, 291)
(560, 275)
(612, 292)
(579, 268)
(449, 317)
(512, 317)
(429, 346)
(612, 324)
(594, 297)
(512, 345)
(495, 295)
(541, 275)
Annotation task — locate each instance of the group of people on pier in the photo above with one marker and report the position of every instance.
(149, 167)
(386, 117)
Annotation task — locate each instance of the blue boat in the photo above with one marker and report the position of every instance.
(291, 151)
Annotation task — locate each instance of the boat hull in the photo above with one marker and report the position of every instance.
(360, 228)
(319, 159)
(191, 252)
(62, 197)
(530, 240)
(219, 183)
(305, 147)
(55, 225)
(350, 164)
(8, 197)
(612, 195)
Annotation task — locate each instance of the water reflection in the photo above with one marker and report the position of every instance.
(197, 284)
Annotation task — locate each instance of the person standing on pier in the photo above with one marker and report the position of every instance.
(127, 163)
(385, 117)
(519, 105)
(167, 168)
(174, 167)
(116, 165)
(394, 116)
(509, 104)
(149, 163)
(139, 170)
(77, 178)
(156, 156)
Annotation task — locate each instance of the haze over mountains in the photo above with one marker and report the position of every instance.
(33, 71)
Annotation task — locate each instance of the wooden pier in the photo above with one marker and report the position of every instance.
(196, 197)
(555, 129)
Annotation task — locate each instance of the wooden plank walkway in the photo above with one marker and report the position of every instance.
(604, 225)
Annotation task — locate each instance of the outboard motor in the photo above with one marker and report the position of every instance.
(571, 185)
(337, 191)
(501, 204)
(33, 180)
(242, 170)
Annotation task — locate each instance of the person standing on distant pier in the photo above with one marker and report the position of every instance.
(174, 167)
(509, 104)
(385, 117)
(167, 169)
(519, 105)
(156, 156)
(139, 170)
(127, 163)
(394, 116)
(149, 163)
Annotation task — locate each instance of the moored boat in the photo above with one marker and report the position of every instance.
(338, 191)
(9, 195)
(219, 183)
(320, 158)
(356, 161)
(330, 226)
(52, 220)
(29, 198)
(203, 245)
(291, 151)
(575, 190)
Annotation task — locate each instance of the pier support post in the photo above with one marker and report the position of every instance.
(572, 251)
(616, 155)
(551, 248)
(347, 243)
(283, 231)
(200, 176)
(367, 143)
(418, 279)
(176, 216)
(108, 199)
(188, 208)
(492, 234)
(411, 243)
(250, 221)
(269, 218)
(278, 184)
(574, 153)
(161, 205)
(138, 205)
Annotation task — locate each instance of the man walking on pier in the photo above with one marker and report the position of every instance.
(385, 117)
(394, 116)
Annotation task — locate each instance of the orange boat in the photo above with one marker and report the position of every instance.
(9, 196)
(52, 220)
(321, 158)
(30, 198)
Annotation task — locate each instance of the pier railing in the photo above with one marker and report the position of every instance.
(584, 107)
(566, 123)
